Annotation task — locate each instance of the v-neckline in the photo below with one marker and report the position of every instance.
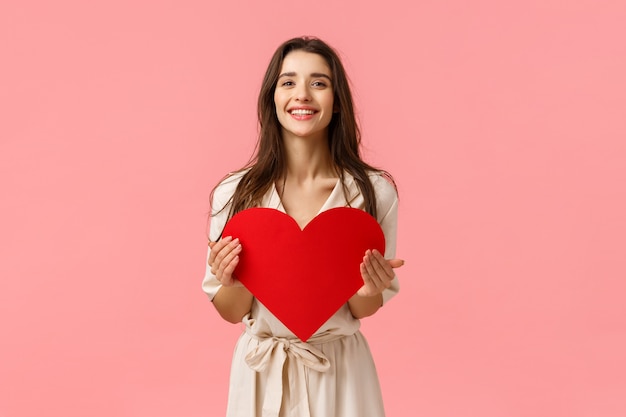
(323, 208)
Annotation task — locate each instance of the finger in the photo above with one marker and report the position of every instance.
(366, 289)
(217, 247)
(371, 270)
(228, 259)
(225, 250)
(369, 288)
(381, 264)
(364, 274)
(396, 263)
(211, 244)
(230, 269)
(223, 269)
(383, 269)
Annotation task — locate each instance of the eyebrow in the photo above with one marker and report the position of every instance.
(313, 75)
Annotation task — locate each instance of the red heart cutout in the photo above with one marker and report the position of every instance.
(303, 276)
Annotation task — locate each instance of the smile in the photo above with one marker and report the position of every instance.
(301, 112)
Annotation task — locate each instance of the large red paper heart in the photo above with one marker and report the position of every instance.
(303, 276)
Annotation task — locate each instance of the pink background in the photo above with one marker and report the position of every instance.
(503, 123)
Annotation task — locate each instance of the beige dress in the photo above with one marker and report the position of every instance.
(273, 373)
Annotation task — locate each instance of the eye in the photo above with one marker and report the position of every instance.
(287, 84)
(319, 84)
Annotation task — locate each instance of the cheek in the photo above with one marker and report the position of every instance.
(330, 100)
(330, 104)
(277, 99)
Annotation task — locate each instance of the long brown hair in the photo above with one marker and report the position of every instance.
(267, 164)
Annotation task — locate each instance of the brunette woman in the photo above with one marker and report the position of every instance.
(307, 160)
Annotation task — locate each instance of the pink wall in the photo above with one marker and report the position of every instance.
(503, 124)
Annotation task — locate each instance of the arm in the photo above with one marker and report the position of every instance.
(232, 300)
(233, 303)
(363, 306)
(377, 273)
(379, 281)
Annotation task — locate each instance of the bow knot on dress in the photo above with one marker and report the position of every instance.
(285, 358)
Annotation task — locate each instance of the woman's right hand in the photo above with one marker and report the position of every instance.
(223, 260)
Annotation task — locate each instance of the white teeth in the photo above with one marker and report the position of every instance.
(301, 112)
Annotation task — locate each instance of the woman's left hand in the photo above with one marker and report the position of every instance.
(377, 273)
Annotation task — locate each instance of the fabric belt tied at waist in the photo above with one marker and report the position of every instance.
(270, 354)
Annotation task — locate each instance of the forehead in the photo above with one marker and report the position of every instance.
(304, 63)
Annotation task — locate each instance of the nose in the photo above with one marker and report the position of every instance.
(302, 92)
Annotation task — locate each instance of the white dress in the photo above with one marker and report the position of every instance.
(273, 373)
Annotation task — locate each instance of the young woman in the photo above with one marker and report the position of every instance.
(307, 160)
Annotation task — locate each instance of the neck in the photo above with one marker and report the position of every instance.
(308, 158)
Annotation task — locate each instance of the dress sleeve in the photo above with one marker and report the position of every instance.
(220, 206)
(387, 207)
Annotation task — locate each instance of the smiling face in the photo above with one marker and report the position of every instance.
(304, 95)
